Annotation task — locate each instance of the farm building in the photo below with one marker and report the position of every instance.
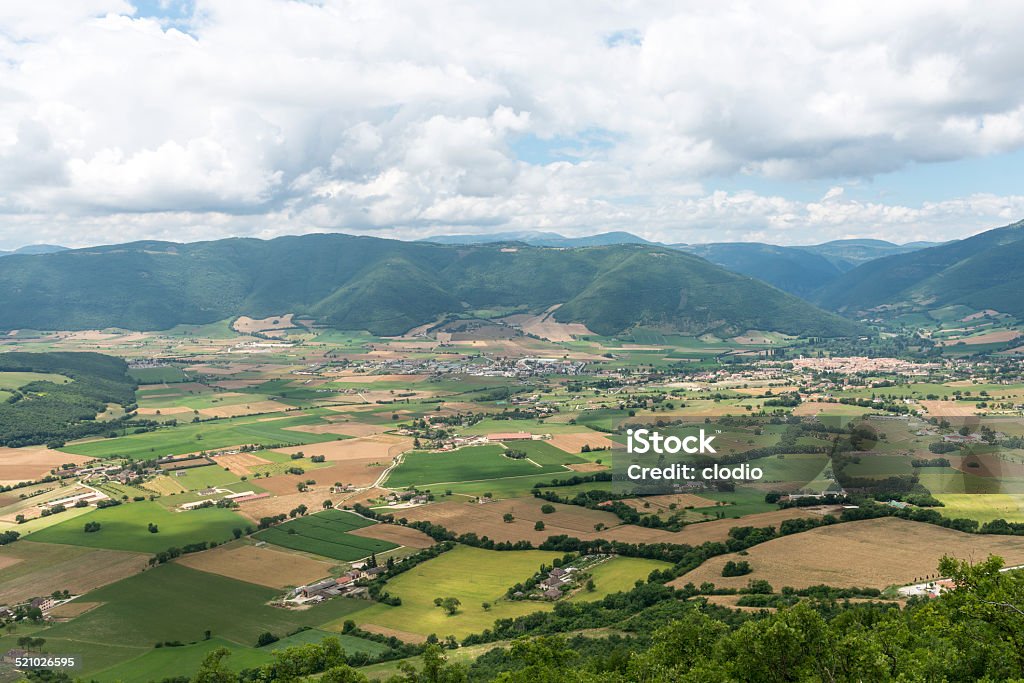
(510, 436)
(317, 588)
(88, 495)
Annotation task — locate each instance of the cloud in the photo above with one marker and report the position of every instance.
(274, 116)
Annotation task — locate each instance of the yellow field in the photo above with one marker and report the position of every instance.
(983, 507)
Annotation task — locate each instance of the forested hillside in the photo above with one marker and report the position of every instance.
(983, 271)
(48, 411)
(389, 287)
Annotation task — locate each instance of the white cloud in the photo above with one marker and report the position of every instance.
(270, 117)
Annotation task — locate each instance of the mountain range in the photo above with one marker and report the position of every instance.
(390, 286)
(985, 271)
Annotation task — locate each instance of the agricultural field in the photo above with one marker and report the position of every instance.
(326, 534)
(850, 554)
(126, 527)
(473, 576)
(187, 604)
(474, 463)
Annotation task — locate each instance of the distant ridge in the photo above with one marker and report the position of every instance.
(35, 249)
(540, 239)
(389, 287)
(985, 271)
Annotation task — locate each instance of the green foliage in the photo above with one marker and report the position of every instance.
(388, 287)
(51, 412)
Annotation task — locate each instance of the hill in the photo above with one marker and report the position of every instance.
(983, 271)
(848, 254)
(389, 286)
(792, 269)
(541, 239)
(34, 249)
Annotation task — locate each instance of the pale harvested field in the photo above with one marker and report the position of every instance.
(486, 519)
(572, 443)
(587, 467)
(873, 553)
(660, 503)
(240, 463)
(990, 338)
(6, 561)
(247, 325)
(546, 327)
(232, 384)
(350, 428)
(730, 602)
(394, 533)
(381, 446)
(164, 485)
(240, 409)
(404, 636)
(173, 410)
(695, 534)
(364, 378)
(33, 462)
(759, 390)
(264, 566)
(46, 567)
(949, 408)
(75, 608)
(275, 505)
(362, 472)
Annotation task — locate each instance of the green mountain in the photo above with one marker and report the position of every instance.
(389, 287)
(848, 254)
(792, 269)
(984, 271)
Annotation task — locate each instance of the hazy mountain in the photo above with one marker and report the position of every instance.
(541, 239)
(848, 254)
(792, 269)
(983, 271)
(389, 286)
(34, 249)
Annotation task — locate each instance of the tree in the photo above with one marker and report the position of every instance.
(213, 669)
(539, 526)
(486, 606)
(236, 532)
(449, 605)
(547, 508)
(266, 638)
(508, 518)
(153, 528)
(327, 504)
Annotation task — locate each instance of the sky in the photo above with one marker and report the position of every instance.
(782, 122)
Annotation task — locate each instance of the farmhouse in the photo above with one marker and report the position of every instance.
(552, 594)
(89, 496)
(12, 655)
(510, 436)
(317, 588)
(43, 603)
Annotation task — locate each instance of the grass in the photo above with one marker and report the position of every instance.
(472, 575)
(157, 375)
(466, 464)
(617, 575)
(489, 426)
(194, 437)
(205, 477)
(351, 644)
(125, 527)
(544, 453)
(174, 603)
(325, 534)
(165, 662)
(16, 380)
(983, 507)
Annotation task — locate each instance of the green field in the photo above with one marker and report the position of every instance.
(158, 375)
(544, 453)
(15, 380)
(472, 575)
(325, 534)
(192, 438)
(983, 507)
(125, 527)
(174, 603)
(165, 662)
(617, 575)
(466, 464)
(205, 477)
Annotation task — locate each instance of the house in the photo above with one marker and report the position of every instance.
(11, 655)
(373, 572)
(43, 603)
(557, 572)
(552, 594)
